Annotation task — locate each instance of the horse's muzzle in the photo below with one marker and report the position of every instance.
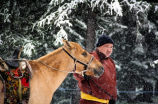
(99, 72)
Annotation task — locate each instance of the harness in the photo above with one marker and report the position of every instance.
(16, 89)
(16, 80)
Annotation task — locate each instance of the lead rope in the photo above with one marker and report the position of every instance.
(102, 89)
(60, 70)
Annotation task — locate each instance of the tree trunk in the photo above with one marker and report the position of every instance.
(90, 39)
(90, 45)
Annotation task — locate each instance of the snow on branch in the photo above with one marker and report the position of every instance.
(60, 36)
(156, 8)
(62, 10)
(140, 6)
(59, 18)
(28, 47)
(83, 25)
(156, 61)
(114, 6)
(1, 41)
(75, 33)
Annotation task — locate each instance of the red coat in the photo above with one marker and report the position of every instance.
(106, 81)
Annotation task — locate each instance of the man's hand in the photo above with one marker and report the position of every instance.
(86, 76)
(112, 101)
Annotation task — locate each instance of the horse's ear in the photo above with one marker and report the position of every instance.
(66, 43)
(5, 66)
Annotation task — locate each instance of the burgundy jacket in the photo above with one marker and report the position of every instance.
(106, 81)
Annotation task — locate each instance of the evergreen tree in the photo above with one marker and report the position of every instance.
(39, 26)
(16, 19)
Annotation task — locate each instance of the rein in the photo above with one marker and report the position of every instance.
(103, 90)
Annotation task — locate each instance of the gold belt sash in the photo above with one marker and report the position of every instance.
(92, 98)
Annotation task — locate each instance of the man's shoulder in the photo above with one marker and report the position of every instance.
(111, 60)
(94, 53)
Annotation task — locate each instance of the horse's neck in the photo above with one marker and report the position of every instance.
(50, 76)
(58, 62)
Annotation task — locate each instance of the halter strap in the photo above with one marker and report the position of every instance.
(76, 60)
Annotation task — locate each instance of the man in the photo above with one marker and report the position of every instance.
(100, 90)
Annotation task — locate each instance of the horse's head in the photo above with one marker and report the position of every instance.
(83, 60)
(3, 65)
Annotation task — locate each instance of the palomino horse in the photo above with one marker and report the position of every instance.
(50, 70)
(1, 93)
(1, 83)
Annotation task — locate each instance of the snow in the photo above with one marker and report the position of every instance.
(60, 36)
(116, 7)
(155, 62)
(28, 48)
(61, 17)
(1, 41)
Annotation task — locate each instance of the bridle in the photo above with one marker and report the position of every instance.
(76, 60)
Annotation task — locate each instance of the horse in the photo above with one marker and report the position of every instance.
(3, 67)
(49, 71)
(1, 93)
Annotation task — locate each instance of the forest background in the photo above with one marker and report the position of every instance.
(40, 25)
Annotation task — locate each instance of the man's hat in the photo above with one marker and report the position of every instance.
(103, 39)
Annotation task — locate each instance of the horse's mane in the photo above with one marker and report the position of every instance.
(55, 52)
(51, 54)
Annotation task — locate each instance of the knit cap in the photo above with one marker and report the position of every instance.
(103, 39)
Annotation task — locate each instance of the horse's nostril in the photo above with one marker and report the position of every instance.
(102, 69)
(99, 72)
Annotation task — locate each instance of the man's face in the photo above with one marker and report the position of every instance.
(106, 49)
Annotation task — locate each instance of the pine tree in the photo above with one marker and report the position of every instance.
(41, 25)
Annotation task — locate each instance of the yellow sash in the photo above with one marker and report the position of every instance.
(92, 98)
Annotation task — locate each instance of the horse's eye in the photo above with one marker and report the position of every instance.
(84, 54)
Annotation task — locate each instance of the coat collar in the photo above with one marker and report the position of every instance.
(101, 55)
